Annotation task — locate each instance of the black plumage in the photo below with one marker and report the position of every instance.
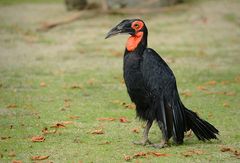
(152, 86)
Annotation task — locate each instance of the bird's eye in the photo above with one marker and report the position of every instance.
(136, 25)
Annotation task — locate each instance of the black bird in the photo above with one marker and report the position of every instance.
(151, 85)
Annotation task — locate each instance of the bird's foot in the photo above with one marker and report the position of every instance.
(163, 144)
(143, 142)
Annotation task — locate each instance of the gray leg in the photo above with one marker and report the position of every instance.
(164, 141)
(145, 135)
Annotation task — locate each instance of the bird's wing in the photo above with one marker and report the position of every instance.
(160, 82)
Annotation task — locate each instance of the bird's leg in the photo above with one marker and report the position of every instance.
(145, 140)
(164, 141)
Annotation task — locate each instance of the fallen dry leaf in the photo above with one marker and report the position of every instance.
(158, 154)
(230, 93)
(46, 131)
(234, 151)
(139, 154)
(91, 82)
(74, 117)
(123, 120)
(37, 139)
(135, 130)
(127, 158)
(224, 82)
(12, 106)
(11, 154)
(201, 88)
(17, 161)
(130, 106)
(5, 137)
(67, 103)
(97, 132)
(58, 125)
(76, 86)
(66, 122)
(106, 119)
(212, 82)
(237, 79)
(39, 157)
(226, 104)
(126, 105)
(43, 84)
(192, 152)
(186, 94)
(104, 143)
(221, 93)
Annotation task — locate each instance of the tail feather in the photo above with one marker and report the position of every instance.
(201, 128)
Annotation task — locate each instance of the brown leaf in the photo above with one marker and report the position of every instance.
(38, 139)
(221, 93)
(135, 130)
(11, 154)
(74, 117)
(212, 82)
(91, 82)
(226, 104)
(186, 94)
(12, 106)
(237, 79)
(58, 125)
(17, 161)
(230, 93)
(225, 149)
(76, 86)
(123, 120)
(192, 152)
(43, 84)
(158, 154)
(201, 88)
(39, 157)
(127, 158)
(106, 119)
(104, 143)
(46, 131)
(224, 82)
(130, 106)
(67, 103)
(236, 152)
(139, 154)
(97, 132)
(66, 122)
(5, 137)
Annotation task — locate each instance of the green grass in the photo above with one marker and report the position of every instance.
(11, 2)
(200, 42)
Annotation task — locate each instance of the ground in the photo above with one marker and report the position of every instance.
(70, 76)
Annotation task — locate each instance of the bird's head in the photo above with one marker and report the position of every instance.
(136, 28)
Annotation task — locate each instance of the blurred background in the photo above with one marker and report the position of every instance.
(55, 65)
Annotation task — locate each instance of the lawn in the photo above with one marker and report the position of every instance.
(66, 84)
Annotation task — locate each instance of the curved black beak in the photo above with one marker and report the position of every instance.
(113, 32)
(123, 27)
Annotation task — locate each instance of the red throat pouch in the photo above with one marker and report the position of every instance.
(133, 41)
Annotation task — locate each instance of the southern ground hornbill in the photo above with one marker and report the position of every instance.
(151, 85)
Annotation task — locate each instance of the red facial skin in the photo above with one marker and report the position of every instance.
(134, 40)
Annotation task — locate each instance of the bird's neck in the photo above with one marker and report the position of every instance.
(137, 42)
